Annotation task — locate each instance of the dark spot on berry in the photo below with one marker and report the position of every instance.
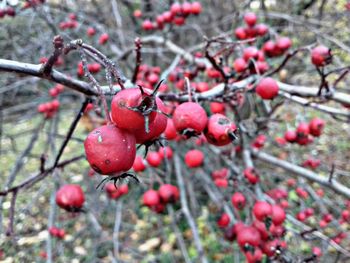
(97, 169)
(107, 162)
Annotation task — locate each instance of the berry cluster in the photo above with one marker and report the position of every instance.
(9, 11)
(57, 232)
(49, 109)
(304, 132)
(157, 200)
(263, 236)
(176, 15)
(115, 193)
(252, 30)
(71, 23)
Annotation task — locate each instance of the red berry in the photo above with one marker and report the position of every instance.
(190, 116)
(278, 215)
(224, 220)
(240, 33)
(220, 130)
(176, 8)
(316, 126)
(179, 20)
(196, 8)
(262, 210)
(112, 191)
(194, 158)
(238, 200)
(290, 136)
(267, 88)
(103, 39)
(250, 175)
(303, 129)
(217, 107)
(186, 8)
(147, 25)
(170, 131)
(137, 13)
(154, 159)
(221, 183)
(250, 19)
(151, 198)
(70, 197)
(261, 29)
(283, 43)
(317, 251)
(248, 236)
(321, 56)
(90, 31)
(168, 152)
(240, 65)
(126, 118)
(250, 53)
(139, 165)
(156, 127)
(110, 149)
(168, 193)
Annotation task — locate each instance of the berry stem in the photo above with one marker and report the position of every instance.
(95, 83)
(188, 86)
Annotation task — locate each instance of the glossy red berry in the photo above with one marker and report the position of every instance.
(262, 29)
(186, 8)
(103, 39)
(278, 215)
(283, 43)
(303, 129)
(250, 19)
(248, 236)
(154, 159)
(156, 127)
(196, 8)
(251, 175)
(321, 56)
(262, 210)
(70, 197)
(151, 198)
(290, 136)
(194, 158)
(165, 152)
(110, 150)
(170, 131)
(217, 107)
(240, 33)
(176, 8)
(224, 220)
(128, 107)
(238, 200)
(90, 31)
(190, 117)
(250, 53)
(168, 193)
(240, 65)
(220, 130)
(316, 126)
(267, 88)
(147, 25)
(139, 165)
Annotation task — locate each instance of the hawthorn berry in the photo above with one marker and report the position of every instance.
(267, 88)
(70, 197)
(110, 150)
(194, 158)
(190, 117)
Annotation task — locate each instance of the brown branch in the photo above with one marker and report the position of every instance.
(58, 45)
(138, 46)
